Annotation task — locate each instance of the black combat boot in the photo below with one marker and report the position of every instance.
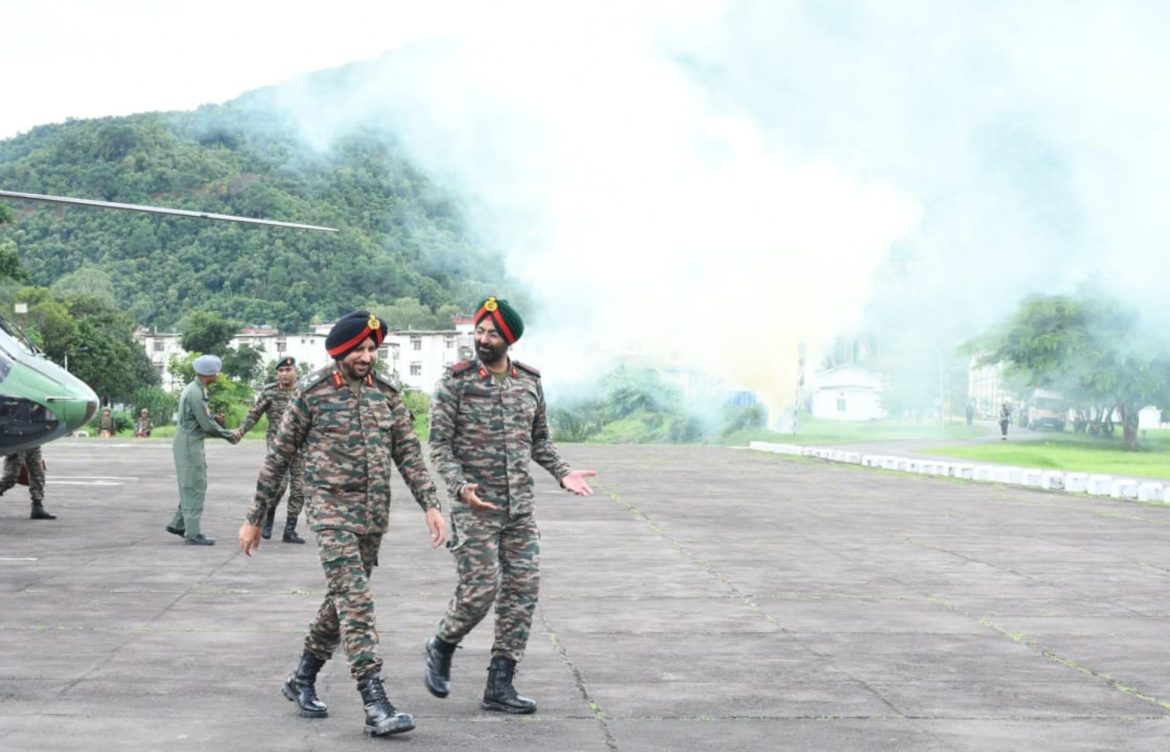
(266, 531)
(290, 531)
(381, 716)
(39, 513)
(438, 671)
(300, 687)
(499, 694)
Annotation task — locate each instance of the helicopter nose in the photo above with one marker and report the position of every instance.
(74, 411)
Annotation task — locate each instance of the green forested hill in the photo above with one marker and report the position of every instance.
(401, 235)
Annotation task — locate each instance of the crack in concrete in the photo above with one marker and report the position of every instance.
(578, 678)
(1019, 638)
(746, 598)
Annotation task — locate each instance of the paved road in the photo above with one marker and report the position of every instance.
(710, 599)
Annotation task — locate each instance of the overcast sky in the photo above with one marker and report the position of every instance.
(717, 179)
(83, 59)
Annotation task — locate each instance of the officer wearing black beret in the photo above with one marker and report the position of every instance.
(272, 401)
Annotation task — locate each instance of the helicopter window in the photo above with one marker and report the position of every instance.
(15, 337)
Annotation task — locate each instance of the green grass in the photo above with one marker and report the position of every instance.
(1074, 453)
(811, 431)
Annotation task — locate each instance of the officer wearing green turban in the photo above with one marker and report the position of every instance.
(488, 423)
(195, 424)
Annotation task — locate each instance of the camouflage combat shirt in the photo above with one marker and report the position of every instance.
(486, 433)
(271, 402)
(348, 442)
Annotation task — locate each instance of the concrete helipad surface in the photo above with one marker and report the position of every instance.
(708, 599)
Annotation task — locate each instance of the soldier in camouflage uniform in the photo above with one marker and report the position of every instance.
(350, 425)
(272, 400)
(487, 421)
(34, 469)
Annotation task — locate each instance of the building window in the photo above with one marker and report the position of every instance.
(281, 345)
(383, 353)
(416, 343)
(159, 345)
(416, 368)
(449, 343)
(841, 404)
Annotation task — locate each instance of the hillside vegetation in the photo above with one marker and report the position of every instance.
(401, 236)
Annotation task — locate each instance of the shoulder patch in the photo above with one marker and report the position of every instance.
(525, 367)
(461, 366)
(314, 378)
(384, 380)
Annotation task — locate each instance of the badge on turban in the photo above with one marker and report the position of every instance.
(351, 330)
(504, 316)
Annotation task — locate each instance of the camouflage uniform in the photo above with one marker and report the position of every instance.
(349, 441)
(485, 432)
(32, 460)
(272, 402)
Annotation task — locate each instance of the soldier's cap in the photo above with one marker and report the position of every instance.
(286, 361)
(503, 315)
(351, 330)
(207, 365)
(144, 412)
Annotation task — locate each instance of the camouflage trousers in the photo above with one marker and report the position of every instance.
(497, 557)
(31, 459)
(293, 478)
(347, 614)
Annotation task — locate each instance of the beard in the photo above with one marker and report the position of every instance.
(355, 371)
(489, 354)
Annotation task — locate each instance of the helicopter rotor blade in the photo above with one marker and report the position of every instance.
(160, 210)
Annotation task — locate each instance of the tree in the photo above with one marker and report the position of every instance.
(88, 281)
(409, 313)
(10, 266)
(1089, 347)
(206, 332)
(108, 359)
(243, 363)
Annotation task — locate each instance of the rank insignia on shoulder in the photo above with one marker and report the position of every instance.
(524, 366)
(461, 366)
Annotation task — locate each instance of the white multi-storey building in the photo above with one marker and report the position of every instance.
(417, 358)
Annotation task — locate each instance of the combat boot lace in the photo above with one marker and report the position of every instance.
(500, 694)
(301, 687)
(438, 671)
(290, 531)
(381, 716)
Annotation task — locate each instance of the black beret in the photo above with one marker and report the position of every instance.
(351, 330)
(507, 320)
(286, 360)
